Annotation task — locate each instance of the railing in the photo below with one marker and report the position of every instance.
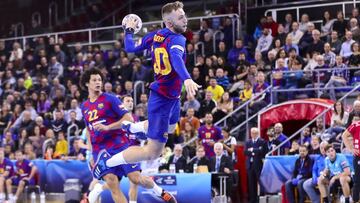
(277, 148)
(19, 29)
(70, 137)
(36, 16)
(247, 113)
(196, 48)
(297, 8)
(246, 104)
(214, 39)
(136, 85)
(310, 74)
(53, 13)
(112, 15)
(90, 31)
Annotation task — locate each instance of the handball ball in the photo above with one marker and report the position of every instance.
(130, 18)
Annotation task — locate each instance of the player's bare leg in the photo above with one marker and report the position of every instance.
(145, 181)
(8, 183)
(2, 191)
(135, 154)
(20, 189)
(113, 183)
(133, 192)
(96, 189)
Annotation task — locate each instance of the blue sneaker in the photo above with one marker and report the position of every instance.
(100, 164)
(138, 135)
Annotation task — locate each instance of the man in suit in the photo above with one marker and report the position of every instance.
(200, 159)
(302, 172)
(178, 159)
(255, 150)
(221, 163)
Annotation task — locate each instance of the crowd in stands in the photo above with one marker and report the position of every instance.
(40, 90)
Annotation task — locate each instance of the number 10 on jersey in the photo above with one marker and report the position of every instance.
(161, 57)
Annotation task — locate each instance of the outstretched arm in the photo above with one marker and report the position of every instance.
(177, 49)
(145, 42)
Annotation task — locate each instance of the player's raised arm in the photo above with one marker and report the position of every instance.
(145, 42)
(177, 49)
(130, 25)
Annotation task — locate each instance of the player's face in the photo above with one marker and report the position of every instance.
(218, 150)
(2, 154)
(95, 83)
(129, 103)
(200, 153)
(208, 118)
(19, 156)
(303, 152)
(331, 153)
(179, 20)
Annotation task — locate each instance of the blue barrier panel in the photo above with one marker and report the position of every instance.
(185, 187)
(278, 169)
(52, 174)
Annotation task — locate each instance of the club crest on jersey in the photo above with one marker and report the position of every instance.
(100, 106)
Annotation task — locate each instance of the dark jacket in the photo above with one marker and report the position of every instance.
(255, 158)
(179, 165)
(305, 170)
(225, 162)
(202, 162)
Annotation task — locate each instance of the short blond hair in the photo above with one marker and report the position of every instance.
(169, 7)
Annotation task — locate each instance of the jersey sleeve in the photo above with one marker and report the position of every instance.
(344, 163)
(327, 163)
(176, 51)
(9, 166)
(116, 105)
(219, 135)
(146, 42)
(30, 164)
(351, 129)
(199, 133)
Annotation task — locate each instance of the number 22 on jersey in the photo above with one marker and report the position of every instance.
(93, 115)
(161, 57)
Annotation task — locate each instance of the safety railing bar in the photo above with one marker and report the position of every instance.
(312, 121)
(243, 105)
(105, 28)
(310, 89)
(310, 6)
(245, 121)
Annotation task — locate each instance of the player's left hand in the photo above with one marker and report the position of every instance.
(191, 87)
(101, 127)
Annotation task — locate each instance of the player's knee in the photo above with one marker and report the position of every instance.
(112, 181)
(8, 182)
(343, 180)
(135, 179)
(21, 183)
(2, 179)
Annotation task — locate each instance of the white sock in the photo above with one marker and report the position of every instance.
(98, 187)
(117, 159)
(132, 201)
(136, 127)
(157, 190)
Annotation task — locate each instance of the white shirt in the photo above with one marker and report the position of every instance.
(296, 36)
(346, 48)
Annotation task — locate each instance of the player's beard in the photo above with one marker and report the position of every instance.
(179, 29)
